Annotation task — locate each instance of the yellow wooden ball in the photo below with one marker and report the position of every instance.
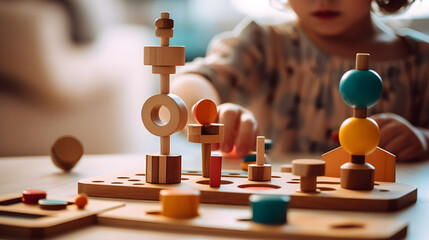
(359, 136)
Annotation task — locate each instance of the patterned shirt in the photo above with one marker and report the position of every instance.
(291, 86)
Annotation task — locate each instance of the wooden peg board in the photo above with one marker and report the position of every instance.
(235, 189)
(301, 224)
(22, 220)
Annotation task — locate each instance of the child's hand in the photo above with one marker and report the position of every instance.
(399, 137)
(240, 128)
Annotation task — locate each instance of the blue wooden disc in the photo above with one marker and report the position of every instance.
(269, 209)
(49, 204)
(361, 89)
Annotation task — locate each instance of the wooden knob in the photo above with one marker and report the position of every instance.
(308, 170)
(179, 203)
(66, 152)
(205, 111)
(362, 60)
(269, 209)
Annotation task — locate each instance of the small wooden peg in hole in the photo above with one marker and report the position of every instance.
(308, 170)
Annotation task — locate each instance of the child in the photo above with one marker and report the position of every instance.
(282, 81)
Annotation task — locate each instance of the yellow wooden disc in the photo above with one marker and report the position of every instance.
(359, 136)
(179, 203)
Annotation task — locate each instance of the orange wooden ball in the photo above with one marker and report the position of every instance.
(81, 201)
(205, 111)
(359, 136)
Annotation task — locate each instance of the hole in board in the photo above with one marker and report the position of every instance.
(326, 189)
(244, 219)
(259, 187)
(376, 184)
(383, 190)
(183, 178)
(122, 177)
(134, 180)
(97, 181)
(293, 182)
(138, 183)
(116, 182)
(347, 225)
(192, 171)
(153, 212)
(276, 177)
(327, 182)
(140, 174)
(296, 179)
(207, 182)
(233, 173)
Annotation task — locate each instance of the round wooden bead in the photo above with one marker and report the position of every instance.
(269, 209)
(152, 121)
(66, 152)
(164, 23)
(81, 200)
(361, 89)
(179, 203)
(32, 196)
(48, 204)
(205, 111)
(359, 136)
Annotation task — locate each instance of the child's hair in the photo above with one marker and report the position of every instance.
(392, 6)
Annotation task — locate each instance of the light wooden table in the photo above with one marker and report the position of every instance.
(19, 173)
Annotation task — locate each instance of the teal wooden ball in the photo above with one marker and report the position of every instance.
(361, 89)
(269, 209)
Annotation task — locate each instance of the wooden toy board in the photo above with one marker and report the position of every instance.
(236, 189)
(23, 220)
(302, 224)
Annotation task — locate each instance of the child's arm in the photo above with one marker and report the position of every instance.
(401, 138)
(240, 124)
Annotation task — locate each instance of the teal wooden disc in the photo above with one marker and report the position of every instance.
(361, 89)
(269, 209)
(49, 204)
(249, 158)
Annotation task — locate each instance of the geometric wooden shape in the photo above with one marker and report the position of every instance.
(259, 172)
(205, 111)
(215, 169)
(164, 23)
(269, 209)
(178, 114)
(33, 196)
(30, 221)
(198, 133)
(260, 150)
(66, 152)
(50, 204)
(286, 168)
(164, 33)
(163, 168)
(163, 69)
(356, 176)
(179, 203)
(386, 197)
(308, 170)
(164, 56)
(383, 162)
(81, 201)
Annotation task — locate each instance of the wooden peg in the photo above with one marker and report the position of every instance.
(362, 61)
(179, 203)
(286, 168)
(215, 170)
(260, 171)
(308, 170)
(66, 152)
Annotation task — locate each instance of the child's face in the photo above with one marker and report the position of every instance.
(331, 17)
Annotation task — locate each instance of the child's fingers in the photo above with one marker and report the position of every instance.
(396, 145)
(409, 153)
(215, 146)
(387, 133)
(247, 131)
(228, 117)
(381, 119)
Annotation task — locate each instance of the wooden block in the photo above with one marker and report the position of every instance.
(356, 176)
(215, 169)
(383, 162)
(164, 33)
(286, 168)
(179, 203)
(164, 56)
(66, 152)
(205, 111)
(269, 209)
(362, 61)
(259, 172)
(195, 133)
(308, 170)
(163, 168)
(260, 150)
(152, 121)
(32, 196)
(163, 69)
(164, 23)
